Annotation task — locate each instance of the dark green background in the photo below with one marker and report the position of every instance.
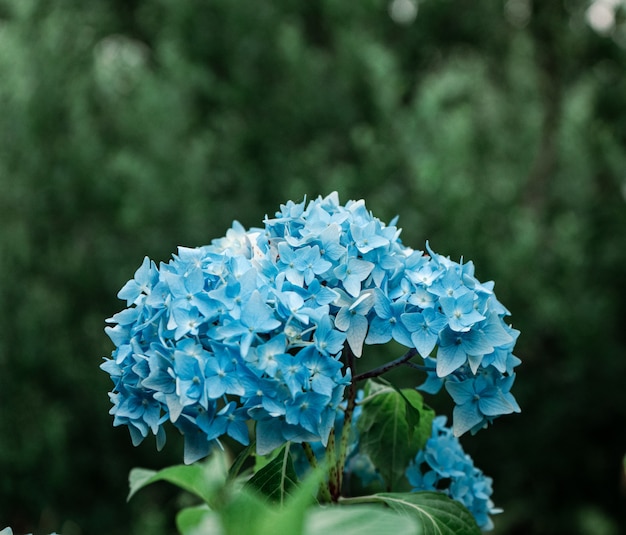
(496, 130)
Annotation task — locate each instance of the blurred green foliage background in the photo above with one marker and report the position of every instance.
(495, 129)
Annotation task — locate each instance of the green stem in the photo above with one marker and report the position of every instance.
(310, 455)
(355, 500)
(324, 493)
(333, 477)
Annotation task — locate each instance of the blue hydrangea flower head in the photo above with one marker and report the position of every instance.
(256, 328)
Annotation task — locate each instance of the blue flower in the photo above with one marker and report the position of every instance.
(230, 421)
(479, 399)
(138, 411)
(448, 285)
(352, 273)
(443, 466)
(318, 295)
(327, 340)
(190, 380)
(328, 241)
(368, 237)
(460, 311)
(221, 372)
(351, 319)
(256, 317)
(323, 371)
(255, 328)
(421, 480)
(387, 324)
(433, 383)
(456, 347)
(187, 321)
(192, 424)
(305, 409)
(293, 372)
(424, 327)
(136, 289)
(303, 264)
(269, 353)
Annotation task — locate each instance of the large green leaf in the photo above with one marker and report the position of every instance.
(393, 426)
(250, 513)
(192, 519)
(436, 513)
(209, 524)
(277, 478)
(202, 479)
(358, 520)
(290, 518)
(246, 512)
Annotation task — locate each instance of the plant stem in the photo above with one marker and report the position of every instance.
(308, 451)
(386, 367)
(347, 420)
(354, 500)
(332, 468)
(418, 367)
(337, 460)
(324, 493)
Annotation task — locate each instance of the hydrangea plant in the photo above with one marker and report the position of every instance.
(262, 336)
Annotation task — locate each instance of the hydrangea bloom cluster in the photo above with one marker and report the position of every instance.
(255, 327)
(443, 466)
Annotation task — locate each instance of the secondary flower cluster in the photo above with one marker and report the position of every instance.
(443, 466)
(253, 328)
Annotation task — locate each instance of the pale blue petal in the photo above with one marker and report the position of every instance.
(449, 359)
(464, 418)
(356, 334)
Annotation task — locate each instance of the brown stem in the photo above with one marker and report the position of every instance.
(376, 372)
(347, 421)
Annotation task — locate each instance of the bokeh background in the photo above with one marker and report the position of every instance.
(495, 129)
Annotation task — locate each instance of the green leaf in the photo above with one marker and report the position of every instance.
(202, 479)
(277, 478)
(358, 520)
(246, 512)
(392, 427)
(291, 517)
(235, 468)
(190, 519)
(250, 513)
(210, 524)
(420, 417)
(436, 513)
(262, 460)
